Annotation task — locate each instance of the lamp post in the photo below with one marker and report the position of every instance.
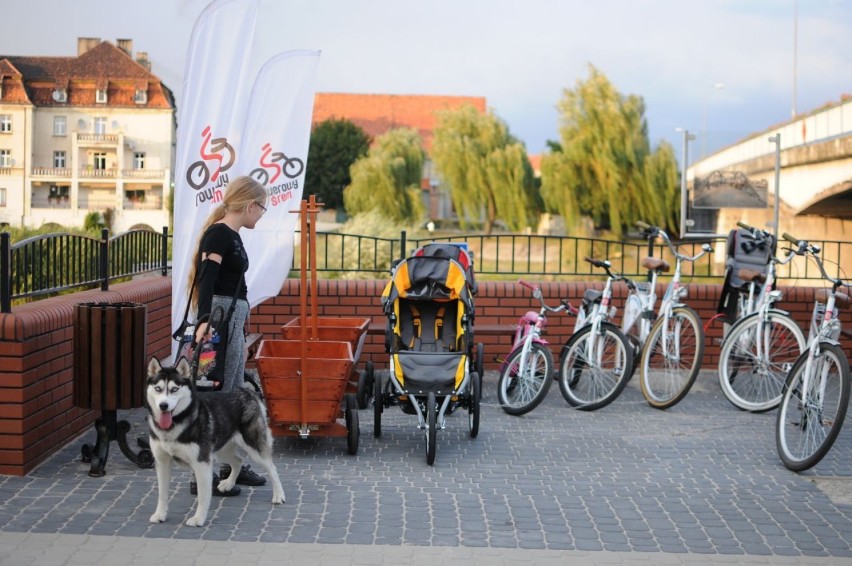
(687, 137)
(715, 86)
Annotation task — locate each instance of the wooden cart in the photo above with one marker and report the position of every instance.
(308, 376)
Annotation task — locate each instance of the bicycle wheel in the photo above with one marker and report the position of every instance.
(755, 382)
(520, 390)
(809, 421)
(594, 367)
(671, 358)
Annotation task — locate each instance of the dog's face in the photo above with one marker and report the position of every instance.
(168, 392)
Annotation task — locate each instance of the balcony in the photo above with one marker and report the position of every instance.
(8, 171)
(51, 172)
(142, 173)
(91, 173)
(90, 140)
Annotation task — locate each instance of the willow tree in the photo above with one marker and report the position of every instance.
(486, 170)
(387, 179)
(598, 169)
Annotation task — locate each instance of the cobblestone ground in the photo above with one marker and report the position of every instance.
(701, 478)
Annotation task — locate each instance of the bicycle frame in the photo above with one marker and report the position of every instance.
(532, 323)
(672, 296)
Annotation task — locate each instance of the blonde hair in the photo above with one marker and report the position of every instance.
(239, 194)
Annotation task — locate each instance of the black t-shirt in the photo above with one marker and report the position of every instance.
(221, 279)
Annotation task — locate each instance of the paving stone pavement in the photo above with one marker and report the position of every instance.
(698, 483)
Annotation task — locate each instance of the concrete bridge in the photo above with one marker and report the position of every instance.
(815, 181)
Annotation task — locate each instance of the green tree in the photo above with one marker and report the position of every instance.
(661, 174)
(599, 167)
(335, 145)
(388, 178)
(486, 169)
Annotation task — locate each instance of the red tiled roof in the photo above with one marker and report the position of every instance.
(378, 113)
(104, 64)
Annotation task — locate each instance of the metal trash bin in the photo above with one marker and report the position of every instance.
(110, 366)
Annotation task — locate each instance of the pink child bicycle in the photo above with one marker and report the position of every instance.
(527, 372)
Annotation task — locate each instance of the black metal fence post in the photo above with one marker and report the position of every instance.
(165, 250)
(5, 272)
(104, 257)
(402, 245)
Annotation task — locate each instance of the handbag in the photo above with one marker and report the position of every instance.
(206, 360)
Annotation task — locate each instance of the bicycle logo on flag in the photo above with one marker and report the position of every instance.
(273, 164)
(277, 163)
(218, 153)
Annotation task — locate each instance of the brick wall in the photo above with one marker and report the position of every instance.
(37, 415)
(500, 303)
(37, 412)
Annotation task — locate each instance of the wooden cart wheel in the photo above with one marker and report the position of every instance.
(353, 430)
(378, 406)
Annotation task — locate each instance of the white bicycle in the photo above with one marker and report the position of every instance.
(816, 394)
(668, 343)
(761, 347)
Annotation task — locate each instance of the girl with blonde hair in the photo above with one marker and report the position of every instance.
(219, 265)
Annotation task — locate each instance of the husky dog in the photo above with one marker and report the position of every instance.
(192, 428)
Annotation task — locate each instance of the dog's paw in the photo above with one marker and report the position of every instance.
(195, 521)
(277, 498)
(226, 485)
(158, 517)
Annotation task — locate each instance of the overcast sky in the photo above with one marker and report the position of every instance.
(520, 55)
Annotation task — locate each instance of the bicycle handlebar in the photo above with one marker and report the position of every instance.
(804, 248)
(537, 294)
(655, 231)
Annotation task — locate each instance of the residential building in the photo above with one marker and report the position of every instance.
(91, 133)
(378, 113)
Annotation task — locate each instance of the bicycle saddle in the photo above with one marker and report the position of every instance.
(751, 275)
(592, 295)
(655, 264)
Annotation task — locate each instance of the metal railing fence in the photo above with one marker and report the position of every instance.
(48, 264)
(52, 263)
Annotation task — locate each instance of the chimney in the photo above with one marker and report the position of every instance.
(125, 45)
(142, 59)
(84, 44)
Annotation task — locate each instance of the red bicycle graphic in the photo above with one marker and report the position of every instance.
(292, 167)
(199, 174)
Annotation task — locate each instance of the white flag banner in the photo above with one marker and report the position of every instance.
(212, 114)
(275, 152)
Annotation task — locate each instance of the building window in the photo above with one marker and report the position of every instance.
(5, 157)
(100, 161)
(57, 192)
(60, 95)
(59, 159)
(139, 160)
(5, 123)
(2, 196)
(101, 96)
(141, 96)
(100, 125)
(59, 125)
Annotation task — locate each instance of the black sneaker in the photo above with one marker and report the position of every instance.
(246, 476)
(193, 489)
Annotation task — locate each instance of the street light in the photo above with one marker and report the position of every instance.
(716, 86)
(687, 137)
